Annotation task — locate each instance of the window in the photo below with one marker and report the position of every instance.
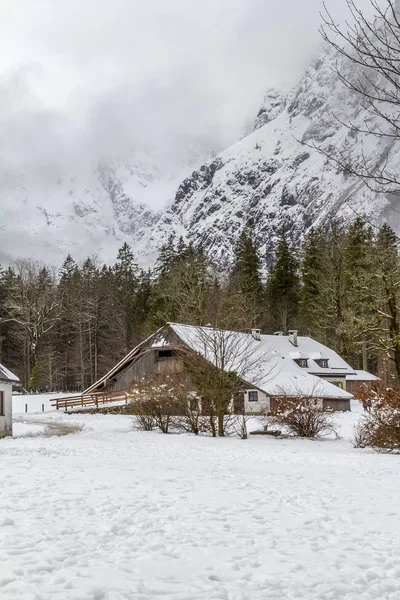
(322, 362)
(1, 404)
(165, 354)
(338, 384)
(253, 396)
(302, 362)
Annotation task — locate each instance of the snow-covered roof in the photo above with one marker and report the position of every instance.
(7, 375)
(267, 363)
(312, 351)
(362, 376)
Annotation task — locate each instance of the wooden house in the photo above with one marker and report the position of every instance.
(7, 379)
(270, 366)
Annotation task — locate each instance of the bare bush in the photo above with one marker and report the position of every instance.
(238, 422)
(239, 425)
(157, 403)
(302, 416)
(189, 417)
(380, 427)
(359, 438)
(145, 421)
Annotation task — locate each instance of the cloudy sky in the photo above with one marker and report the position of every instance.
(82, 79)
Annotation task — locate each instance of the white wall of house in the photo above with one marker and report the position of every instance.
(261, 404)
(6, 409)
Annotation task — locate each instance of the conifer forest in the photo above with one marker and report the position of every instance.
(61, 330)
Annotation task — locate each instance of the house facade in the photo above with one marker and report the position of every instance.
(7, 379)
(270, 367)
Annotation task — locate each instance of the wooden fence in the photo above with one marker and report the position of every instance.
(89, 400)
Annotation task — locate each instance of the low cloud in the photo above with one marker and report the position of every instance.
(82, 81)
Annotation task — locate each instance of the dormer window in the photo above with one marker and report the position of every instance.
(302, 362)
(322, 362)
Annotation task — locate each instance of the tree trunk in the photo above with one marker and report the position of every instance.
(82, 362)
(221, 425)
(212, 426)
(364, 356)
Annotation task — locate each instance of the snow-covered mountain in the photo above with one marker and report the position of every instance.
(275, 176)
(45, 216)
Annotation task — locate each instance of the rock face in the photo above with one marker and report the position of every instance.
(276, 177)
(273, 105)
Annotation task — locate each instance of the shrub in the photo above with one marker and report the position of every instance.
(156, 404)
(359, 438)
(145, 421)
(379, 428)
(239, 425)
(189, 417)
(302, 416)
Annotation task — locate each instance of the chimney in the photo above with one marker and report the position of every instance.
(293, 337)
(256, 333)
(278, 332)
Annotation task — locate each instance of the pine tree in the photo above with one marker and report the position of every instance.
(126, 284)
(182, 293)
(283, 286)
(358, 307)
(166, 258)
(388, 273)
(68, 267)
(67, 347)
(313, 275)
(246, 271)
(245, 286)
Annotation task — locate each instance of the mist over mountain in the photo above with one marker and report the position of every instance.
(276, 176)
(129, 146)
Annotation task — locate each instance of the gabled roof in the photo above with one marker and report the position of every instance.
(122, 363)
(8, 376)
(362, 376)
(270, 366)
(312, 351)
(266, 364)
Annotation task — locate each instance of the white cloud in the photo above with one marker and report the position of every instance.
(86, 79)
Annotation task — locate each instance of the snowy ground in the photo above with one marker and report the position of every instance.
(108, 513)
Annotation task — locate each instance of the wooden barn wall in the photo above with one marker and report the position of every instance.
(340, 404)
(144, 366)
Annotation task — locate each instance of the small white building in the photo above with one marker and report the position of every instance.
(7, 379)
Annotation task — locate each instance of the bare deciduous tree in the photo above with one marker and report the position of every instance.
(33, 305)
(372, 45)
(221, 364)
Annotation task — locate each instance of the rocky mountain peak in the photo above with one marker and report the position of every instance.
(273, 104)
(276, 176)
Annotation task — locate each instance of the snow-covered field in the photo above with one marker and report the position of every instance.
(109, 513)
